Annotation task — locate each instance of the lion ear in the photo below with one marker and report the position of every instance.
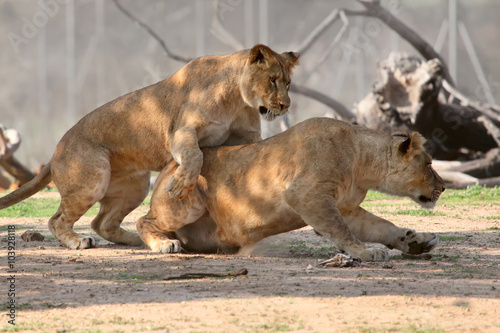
(413, 143)
(405, 146)
(292, 58)
(260, 54)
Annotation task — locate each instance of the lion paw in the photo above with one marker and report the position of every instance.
(166, 246)
(376, 254)
(82, 243)
(370, 252)
(417, 242)
(181, 183)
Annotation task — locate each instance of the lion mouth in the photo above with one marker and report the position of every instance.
(263, 110)
(424, 199)
(429, 202)
(426, 202)
(271, 113)
(266, 113)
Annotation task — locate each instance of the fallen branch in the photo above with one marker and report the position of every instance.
(486, 167)
(491, 128)
(459, 180)
(189, 276)
(491, 111)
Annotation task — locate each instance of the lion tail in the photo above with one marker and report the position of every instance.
(27, 190)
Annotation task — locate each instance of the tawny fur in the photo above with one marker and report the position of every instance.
(108, 155)
(317, 173)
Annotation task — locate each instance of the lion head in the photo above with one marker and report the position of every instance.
(411, 173)
(266, 79)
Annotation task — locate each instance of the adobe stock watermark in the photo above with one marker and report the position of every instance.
(483, 93)
(31, 26)
(154, 75)
(359, 39)
(225, 6)
(11, 269)
(439, 136)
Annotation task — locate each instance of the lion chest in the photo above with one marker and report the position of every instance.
(213, 134)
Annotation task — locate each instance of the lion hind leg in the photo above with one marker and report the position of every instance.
(122, 196)
(157, 241)
(169, 215)
(81, 174)
(61, 226)
(75, 201)
(170, 219)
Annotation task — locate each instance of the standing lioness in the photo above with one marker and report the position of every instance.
(107, 156)
(316, 173)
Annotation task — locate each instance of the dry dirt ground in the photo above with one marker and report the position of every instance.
(116, 288)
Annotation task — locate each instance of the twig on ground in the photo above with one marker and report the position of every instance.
(189, 276)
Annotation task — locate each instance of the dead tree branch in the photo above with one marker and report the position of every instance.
(486, 167)
(492, 130)
(491, 111)
(10, 164)
(221, 33)
(152, 33)
(374, 9)
(339, 108)
(335, 105)
(318, 31)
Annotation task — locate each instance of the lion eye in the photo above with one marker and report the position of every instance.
(273, 80)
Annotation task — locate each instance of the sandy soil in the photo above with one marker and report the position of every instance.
(116, 288)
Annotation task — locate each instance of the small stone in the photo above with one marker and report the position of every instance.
(32, 236)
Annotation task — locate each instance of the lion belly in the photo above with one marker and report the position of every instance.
(242, 222)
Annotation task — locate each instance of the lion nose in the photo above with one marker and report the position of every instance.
(442, 189)
(284, 106)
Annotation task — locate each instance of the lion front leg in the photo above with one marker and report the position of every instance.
(317, 208)
(370, 228)
(187, 153)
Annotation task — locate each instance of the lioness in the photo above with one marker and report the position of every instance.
(316, 173)
(107, 156)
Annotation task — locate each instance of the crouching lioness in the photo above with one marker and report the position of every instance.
(316, 173)
(108, 155)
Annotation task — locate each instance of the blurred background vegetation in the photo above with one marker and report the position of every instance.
(60, 59)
